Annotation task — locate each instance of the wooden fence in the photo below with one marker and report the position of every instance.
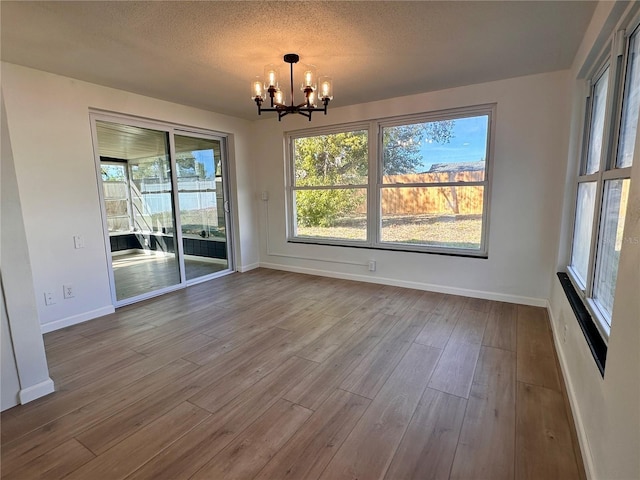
(465, 200)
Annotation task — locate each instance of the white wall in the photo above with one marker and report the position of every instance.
(606, 410)
(23, 357)
(48, 120)
(530, 149)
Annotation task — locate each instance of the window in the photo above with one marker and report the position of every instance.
(421, 185)
(330, 185)
(603, 182)
(434, 182)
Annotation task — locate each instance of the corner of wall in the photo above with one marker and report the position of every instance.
(576, 412)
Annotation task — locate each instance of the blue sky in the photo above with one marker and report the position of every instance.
(469, 144)
(205, 157)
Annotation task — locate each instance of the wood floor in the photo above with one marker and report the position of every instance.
(138, 273)
(274, 375)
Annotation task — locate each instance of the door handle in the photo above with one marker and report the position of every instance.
(226, 206)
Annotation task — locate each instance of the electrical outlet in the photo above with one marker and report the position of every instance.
(372, 265)
(564, 333)
(67, 291)
(49, 299)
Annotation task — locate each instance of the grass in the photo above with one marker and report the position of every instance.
(458, 231)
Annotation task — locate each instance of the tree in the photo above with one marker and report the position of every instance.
(343, 159)
(336, 159)
(189, 166)
(401, 145)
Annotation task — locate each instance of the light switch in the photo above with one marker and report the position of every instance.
(78, 241)
(49, 299)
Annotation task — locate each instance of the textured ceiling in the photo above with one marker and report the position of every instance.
(205, 53)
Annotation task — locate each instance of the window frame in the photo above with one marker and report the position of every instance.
(375, 185)
(291, 187)
(615, 56)
(451, 114)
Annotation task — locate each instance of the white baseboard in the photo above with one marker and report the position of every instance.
(500, 297)
(38, 390)
(75, 319)
(587, 459)
(251, 266)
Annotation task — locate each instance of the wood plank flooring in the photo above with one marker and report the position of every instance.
(143, 272)
(271, 375)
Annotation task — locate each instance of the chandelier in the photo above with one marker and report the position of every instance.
(269, 86)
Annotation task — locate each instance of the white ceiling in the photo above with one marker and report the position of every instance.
(205, 53)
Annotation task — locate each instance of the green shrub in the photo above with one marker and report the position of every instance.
(322, 208)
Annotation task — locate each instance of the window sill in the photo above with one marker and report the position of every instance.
(391, 247)
(591, 333)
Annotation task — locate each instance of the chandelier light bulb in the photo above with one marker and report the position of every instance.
(279, 97)
(309, 78)
(270, 77)
(257, 90)
(326, 88)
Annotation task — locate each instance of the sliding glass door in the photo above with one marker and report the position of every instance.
(202, 205)
(164, 204)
